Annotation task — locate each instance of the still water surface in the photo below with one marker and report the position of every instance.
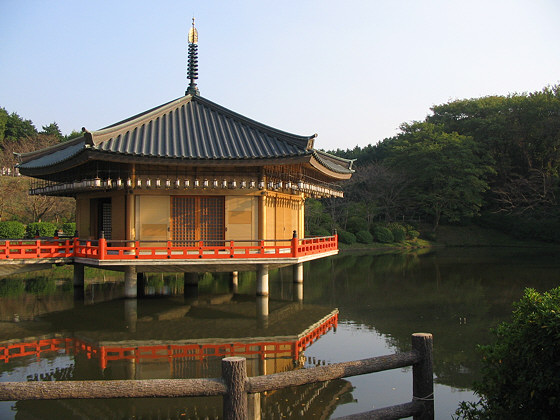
(456, 294)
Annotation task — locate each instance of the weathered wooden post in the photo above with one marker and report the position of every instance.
(423, 375)
(234, 374)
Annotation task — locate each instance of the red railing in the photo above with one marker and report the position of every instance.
(103, 249)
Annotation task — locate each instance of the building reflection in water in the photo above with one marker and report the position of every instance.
(178, 336)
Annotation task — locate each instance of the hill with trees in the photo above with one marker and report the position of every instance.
(493, 161)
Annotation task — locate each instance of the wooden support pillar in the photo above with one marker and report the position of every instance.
(298, 272)
(79, 283)
(298, 292)
(79, 275)
(191, 279)
(141, 284)
(262, 311)
(262, 280)
(131, 315)
(130, 282)
(254, 406)
(234, 282)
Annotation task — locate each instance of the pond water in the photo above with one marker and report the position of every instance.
(455, 294)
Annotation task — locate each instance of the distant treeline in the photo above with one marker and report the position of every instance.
(491, 160)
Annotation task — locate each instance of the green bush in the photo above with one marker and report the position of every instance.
(411, 232)
(346, 237)
(12, 230)
(398, 231)
(356, 224)
(69, 228)
(364, 237)
(41, 229)
(383, 235)
(320, 231)
(521, 370)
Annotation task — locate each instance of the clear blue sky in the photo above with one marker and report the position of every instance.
(351, 71)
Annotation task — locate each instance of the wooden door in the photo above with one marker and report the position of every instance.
(197, 219)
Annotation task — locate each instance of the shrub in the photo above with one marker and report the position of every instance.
(411, 232)
(356, 224)
(12, 230)
(398, 231)
(69, 228)
(383, 235)
(520, 371)
(346, 237)
(364, 237)
(320, 231)
(41, 229)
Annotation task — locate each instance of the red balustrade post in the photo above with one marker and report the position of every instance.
(102, 248)
(7, 245)
(232, 249)
(295, 243)
(38, 245)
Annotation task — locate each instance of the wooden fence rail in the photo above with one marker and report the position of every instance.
(234, 385)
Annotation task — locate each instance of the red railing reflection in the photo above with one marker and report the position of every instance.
(105, 354)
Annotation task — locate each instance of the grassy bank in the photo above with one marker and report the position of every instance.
(453, 236)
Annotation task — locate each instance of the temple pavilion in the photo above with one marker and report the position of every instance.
(188, 172)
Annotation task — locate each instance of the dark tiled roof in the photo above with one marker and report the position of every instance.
(192, 128)
(195, 128)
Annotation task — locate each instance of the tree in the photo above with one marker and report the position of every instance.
(52, 130)
(17, 128)
(521, 372)
(447, 176)
(380, 188)
(521, 132)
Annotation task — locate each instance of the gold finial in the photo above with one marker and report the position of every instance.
(193, 34)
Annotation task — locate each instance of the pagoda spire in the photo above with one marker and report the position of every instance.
(192, 66)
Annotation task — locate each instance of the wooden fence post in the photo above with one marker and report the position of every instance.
(234, 374)
(423, 376)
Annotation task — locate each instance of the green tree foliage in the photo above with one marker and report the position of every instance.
(522, 135)
(53, 130)
(521, 371)
(448, 176)
(15, 128)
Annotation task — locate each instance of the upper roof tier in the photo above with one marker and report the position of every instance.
(190, 129)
